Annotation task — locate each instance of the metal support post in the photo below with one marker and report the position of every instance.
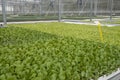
(95, 7)
(91, 9)
(59, 10)
(111, 9)
(40, 7)
(4, 12)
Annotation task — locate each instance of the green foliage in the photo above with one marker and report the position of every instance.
(27, 53)
(87, 32)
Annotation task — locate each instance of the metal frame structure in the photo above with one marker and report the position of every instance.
(62, 9)
(4, 12)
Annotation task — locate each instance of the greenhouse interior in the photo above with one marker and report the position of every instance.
(59, 39)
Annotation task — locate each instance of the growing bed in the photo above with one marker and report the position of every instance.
(57, 51)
